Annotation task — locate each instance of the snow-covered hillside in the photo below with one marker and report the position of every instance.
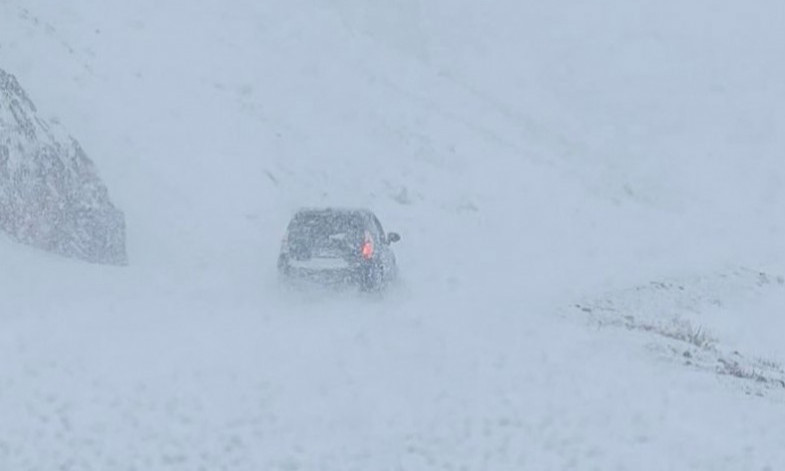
(590, 198)
(50, 194)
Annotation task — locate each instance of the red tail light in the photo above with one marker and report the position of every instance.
(367, 250)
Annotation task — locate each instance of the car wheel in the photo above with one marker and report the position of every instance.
(371, 279)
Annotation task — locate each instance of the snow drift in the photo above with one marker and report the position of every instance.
(50, 194)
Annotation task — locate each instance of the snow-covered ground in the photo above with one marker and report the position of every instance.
(590, 197)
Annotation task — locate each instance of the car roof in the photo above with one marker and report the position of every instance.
(335, 210)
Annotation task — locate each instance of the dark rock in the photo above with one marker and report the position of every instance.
(50, 194)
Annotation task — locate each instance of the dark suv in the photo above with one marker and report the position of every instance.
(338, 247)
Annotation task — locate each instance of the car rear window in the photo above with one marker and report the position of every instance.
(326, 230)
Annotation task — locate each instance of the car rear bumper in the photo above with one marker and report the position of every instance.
(351, 274)
(331, 277)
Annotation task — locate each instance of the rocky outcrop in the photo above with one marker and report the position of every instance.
(50, 194)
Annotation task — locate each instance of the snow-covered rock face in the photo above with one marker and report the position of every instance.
(50, 194)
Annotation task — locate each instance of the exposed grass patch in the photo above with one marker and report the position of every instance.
(737, 370)
(771, 365)
(663, 308)
(678, 329)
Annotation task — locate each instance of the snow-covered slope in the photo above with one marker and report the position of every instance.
(534, 157)
(50, 194)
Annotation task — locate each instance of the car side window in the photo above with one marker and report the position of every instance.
(379, 228)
